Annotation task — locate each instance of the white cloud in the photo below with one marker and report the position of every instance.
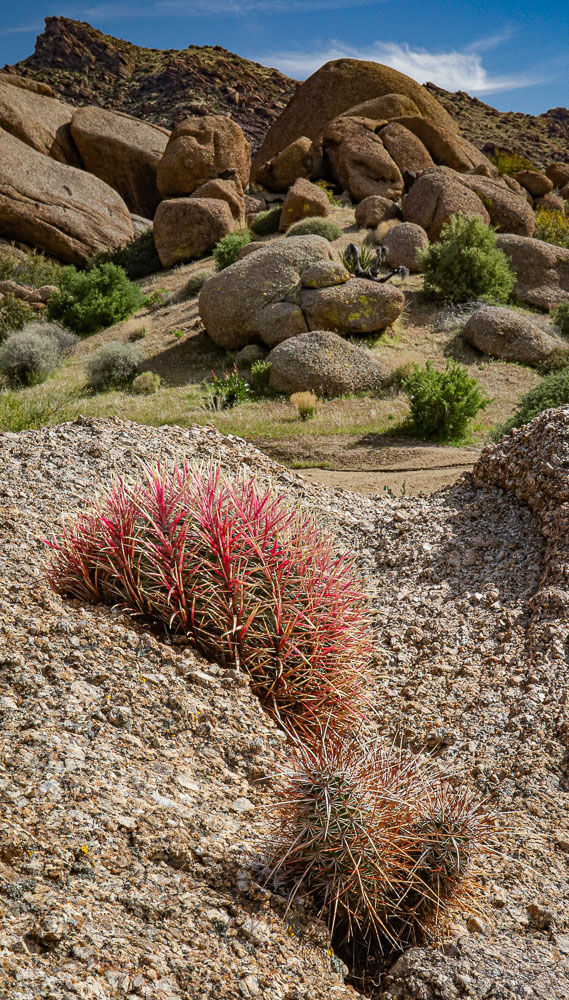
(22, 29)
(454, 70)
(213, 8)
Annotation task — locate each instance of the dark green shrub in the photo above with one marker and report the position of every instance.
(443, 403)
(137, 258)
(196, 281)
(510, 163)
(551, 391)
(466, 264)
(267, 222)
(260, 375)
(87, 301)
(315, 226)
(14, 314)
(226, 392)
(227, 250)
(113, 367)
(561, 318)
(7, 266)
(37, 270)
(27, 356)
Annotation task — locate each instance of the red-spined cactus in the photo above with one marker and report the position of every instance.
(378, 840)
(251, 583)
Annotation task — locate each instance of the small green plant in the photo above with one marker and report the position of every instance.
(196, 282)
(138, 258)
(466, 264)
(157, 299)
(551, 391)
(510, 163)
(226, 392)
(146, 383)
(14, 314)
(561, 318)
(315, 226)
(443, 403)
(22, 411)
(113, 366)
(305, 403)
(260, 376)
(8, 265)
(328, 192)
(87, 301)
(37, 270)
(178, 334)
(138, 334)
(227, 250)
(368, 257)
(552, 227)
(267, 222)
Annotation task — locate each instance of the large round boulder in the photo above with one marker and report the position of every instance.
(258, 297)
(403, 146)
(374, 210)
(384, 108)
(336, 87)
(509, 211)
(509, 335)
(67, 213)
(542, 270)
(185, 228)
(299, 159)
(41, 122)
(558, 174)
(122, 151)
(435, 196)
(324, 363)
(356, 306)
(535, 182)
(403, 244)
(201, 149)
(303, 200)
(357, 158)
(446, 146)
(228, 191)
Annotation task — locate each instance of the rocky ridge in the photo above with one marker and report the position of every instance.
(132, 796)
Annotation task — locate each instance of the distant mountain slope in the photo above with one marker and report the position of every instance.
(541, 138)
(84, 66)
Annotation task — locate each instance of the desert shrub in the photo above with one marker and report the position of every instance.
(260, 376)
(27, 356)
(305, 403)
(328, 192)
(37, 270)
(146, 383)
(87, 301)
(113, 366)
(227, 250)
(138, 258)
(466, 264)
(561, 319)
(551, 391)
(7, 266)
(396, 378)
(552, 227)
(196, 282)
(443, 403)
(382, 842)
(509, 163)
(138, 334)
(226, 392)
(21, 411)
(267, 222)
(315, 226)
(368, 256)
(254, 585)
(14, 314)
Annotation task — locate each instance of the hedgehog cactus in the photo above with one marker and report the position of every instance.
(377, 840)
(253, 585)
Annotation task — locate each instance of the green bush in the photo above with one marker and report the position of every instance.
(551, 391)
(146, 383)
(260, 375)
(267, 222)
(137, 258)
(305, 403)
(466, 264)
(552, 227)
(113, 367)
(226, 392)
(315, 226)
(27, 356)
(443, 403)
(227, 250)
(87, 301)
(14, 314)
(34, 269)
(328, 192)
(196, 282)
(138, 334)
(561, 318)
(510, 163)
(21, 411)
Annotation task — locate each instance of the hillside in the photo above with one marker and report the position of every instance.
(84, 66)
(541, 138)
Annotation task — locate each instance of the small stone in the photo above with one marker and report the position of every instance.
(243, 805)
(475, 925)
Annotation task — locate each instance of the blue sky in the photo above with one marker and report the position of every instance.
(514, 56)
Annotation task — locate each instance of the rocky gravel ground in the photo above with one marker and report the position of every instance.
(133, 799)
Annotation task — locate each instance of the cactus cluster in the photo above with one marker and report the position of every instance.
(252, 584)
